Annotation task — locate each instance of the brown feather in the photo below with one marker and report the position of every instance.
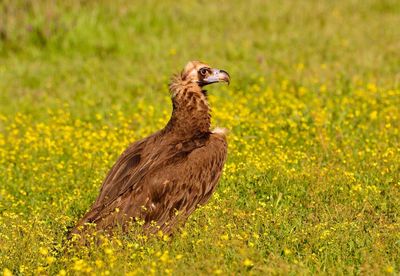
(170, 171)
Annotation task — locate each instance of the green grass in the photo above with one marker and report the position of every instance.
(312, 180)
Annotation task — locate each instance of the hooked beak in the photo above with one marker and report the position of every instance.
(216, 76)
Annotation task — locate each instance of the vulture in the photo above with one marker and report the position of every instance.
(160, 180)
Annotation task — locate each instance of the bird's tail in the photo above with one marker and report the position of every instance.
(81, 225)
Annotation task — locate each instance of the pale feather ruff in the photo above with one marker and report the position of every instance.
(220, 130)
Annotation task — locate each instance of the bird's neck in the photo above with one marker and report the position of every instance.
(191, 113)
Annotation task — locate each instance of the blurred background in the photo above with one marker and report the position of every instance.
(102, 53)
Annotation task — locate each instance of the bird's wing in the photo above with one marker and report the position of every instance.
(132, 162)
(177, 181)
(186, 182)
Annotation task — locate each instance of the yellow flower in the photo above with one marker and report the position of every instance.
(99, 263)
(248, 263)
(50, 259)
(43, 251)
(287, 251)
(179, 256)
(389, 269)
(108, 251)
(164, 257)
(62, 272)
(225, 237)
(373, 115)
(79, 265)
(7, 272)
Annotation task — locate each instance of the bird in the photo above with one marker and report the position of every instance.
(161, 179)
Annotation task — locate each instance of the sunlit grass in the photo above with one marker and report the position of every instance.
(312, 180)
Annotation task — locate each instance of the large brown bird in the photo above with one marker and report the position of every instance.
(164, 177)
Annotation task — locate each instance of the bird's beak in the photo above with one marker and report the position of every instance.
(216, 76)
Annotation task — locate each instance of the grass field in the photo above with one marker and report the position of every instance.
(312, 180)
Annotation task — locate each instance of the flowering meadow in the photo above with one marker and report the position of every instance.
(312, 180)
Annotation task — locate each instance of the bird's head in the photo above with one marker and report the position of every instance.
(202, 74)
(191, 112)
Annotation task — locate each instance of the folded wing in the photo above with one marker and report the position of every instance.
(159, 180)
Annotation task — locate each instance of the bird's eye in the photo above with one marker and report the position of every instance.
(203, 71)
